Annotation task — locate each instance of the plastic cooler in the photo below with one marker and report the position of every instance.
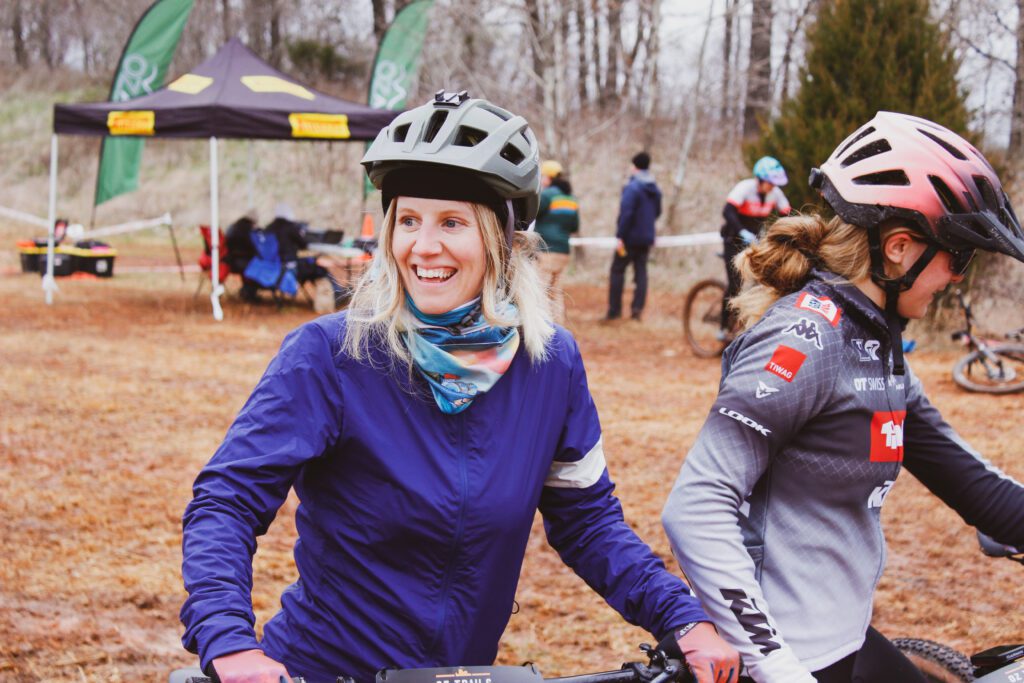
(96, 259)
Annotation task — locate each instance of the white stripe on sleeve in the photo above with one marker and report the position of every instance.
(579, 474)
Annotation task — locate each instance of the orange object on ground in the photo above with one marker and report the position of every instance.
(367, 232)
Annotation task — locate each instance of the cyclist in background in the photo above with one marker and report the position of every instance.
(775, 516)
(421, 429)
(558, 217)
(750, 203)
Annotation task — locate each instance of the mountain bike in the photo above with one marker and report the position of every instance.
(989, 367)
(942, 664)
(702, 318)
(660, 668)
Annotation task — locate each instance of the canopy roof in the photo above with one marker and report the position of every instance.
(233, 94)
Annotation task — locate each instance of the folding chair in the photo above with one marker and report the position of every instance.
(206, 260)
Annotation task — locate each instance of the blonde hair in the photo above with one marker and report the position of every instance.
(378, 313)
(781, 261)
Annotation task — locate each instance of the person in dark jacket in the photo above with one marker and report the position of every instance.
(639, 208)
(422, 429)
(557, 218)
(776, 514)
(241, 250)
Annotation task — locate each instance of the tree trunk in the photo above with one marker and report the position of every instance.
(1017, 114)
(256, 27)
(18, 35)
(276, 42)
(580, 11)
(727, 98)
(648, 86)
(758, 103)
(380, 20)
(787, 55)
(225, 20)
(595, 46)
(610, 84)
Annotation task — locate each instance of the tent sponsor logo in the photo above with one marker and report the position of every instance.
(191, 84)
(136, 78)
(131, 122)
(333, 126)
(389, 81)
(269, 84)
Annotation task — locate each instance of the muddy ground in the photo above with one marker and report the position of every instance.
(113, 398)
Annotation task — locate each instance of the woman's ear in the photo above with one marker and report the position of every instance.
(898, 250)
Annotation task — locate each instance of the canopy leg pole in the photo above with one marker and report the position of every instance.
(251, 166)
(49, 284)
(218, 289)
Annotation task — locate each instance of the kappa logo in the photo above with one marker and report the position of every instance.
(823, 306)
(867, 349)
(887, 435)
(740, 417)
(752, 619)
(877, 496)
(764, 390)
(807, 330)
(785, 362)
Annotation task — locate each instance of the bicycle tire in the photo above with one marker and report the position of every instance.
(937, 662)
(970, 372)
(701, 318)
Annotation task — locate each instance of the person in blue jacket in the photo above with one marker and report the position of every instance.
(639, 208)
(421, 429)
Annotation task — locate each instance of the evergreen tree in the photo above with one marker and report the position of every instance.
(863, 56)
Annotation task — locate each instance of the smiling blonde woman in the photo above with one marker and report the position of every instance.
(422, 429)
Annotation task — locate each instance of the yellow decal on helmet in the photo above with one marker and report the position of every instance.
(275, 84)
(191, 84)
(131, 122)
(334, 126)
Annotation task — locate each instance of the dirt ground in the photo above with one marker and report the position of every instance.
(113, 398)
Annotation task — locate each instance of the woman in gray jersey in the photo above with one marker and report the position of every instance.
(775, 514)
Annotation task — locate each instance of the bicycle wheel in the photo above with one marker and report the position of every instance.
(938, 663)
(974, 372)
(702, 314)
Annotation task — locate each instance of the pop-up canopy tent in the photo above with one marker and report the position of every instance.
(234, 94)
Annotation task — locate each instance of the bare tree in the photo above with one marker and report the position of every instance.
(610, 83)
(18, 35)
(729, 20)
(758, 101)
(805, 8)
(1017, 108)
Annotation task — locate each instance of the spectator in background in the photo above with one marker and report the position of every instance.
(291, 238)
(639, 207)
(241, 250)
(557, 218)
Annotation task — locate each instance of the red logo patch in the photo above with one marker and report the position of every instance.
(785, 362)
(887, 435)
(823, 306)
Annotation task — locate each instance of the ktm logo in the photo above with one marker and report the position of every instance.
(751, 618)
(729, 412)
(877, 496)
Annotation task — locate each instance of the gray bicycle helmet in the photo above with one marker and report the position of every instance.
(470, 139)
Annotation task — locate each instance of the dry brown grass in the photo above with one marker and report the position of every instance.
(115, 396)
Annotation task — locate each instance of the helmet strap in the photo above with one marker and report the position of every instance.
(893, 288)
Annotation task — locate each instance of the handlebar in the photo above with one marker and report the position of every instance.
(660, 668)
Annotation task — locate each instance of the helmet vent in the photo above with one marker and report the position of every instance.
(437, 120)
(947, 196)
(511, 154)
(400, 133)
(469, 137)
(943, 144)
(860, 136)
(988, 194)
(867, 151)
(895, 177)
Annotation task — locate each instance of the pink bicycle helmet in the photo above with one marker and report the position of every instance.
(901, 166)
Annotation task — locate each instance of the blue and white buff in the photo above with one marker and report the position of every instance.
(459, 353)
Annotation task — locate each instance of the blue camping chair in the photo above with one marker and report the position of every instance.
(266, 269)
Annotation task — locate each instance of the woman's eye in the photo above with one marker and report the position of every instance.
(407, 222)
(451, 223)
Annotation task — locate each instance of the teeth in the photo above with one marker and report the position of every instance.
(434, 273)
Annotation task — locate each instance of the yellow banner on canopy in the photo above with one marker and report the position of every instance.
(275, 84)
(331, 126)
(131, 122)
(191, 84)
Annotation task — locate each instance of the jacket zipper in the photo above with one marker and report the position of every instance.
(457, 541)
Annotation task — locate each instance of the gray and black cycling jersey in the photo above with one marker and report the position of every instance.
(775, 514)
